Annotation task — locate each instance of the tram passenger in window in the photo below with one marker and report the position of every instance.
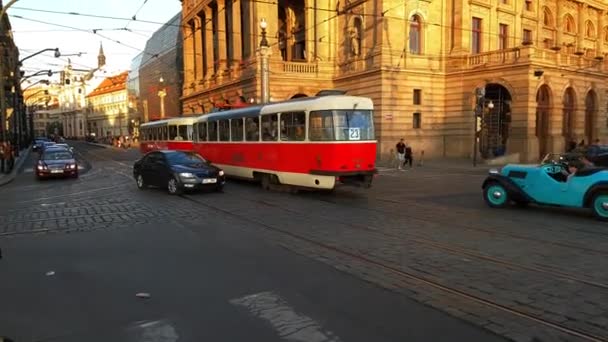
(178, 138)
(299, 132)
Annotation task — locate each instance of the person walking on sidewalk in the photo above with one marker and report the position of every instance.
(409, 157)
(400, 153)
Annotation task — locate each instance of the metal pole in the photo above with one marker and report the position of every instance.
(265, 75)
(475, 136)
(2, 92)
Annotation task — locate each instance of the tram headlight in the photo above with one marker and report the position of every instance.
(221, 173)
(186, 175)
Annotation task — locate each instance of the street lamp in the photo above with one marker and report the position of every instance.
(47, 82)
(491, 105)
(162, 93)
(265, 54)
(57, 54)
(49, 73)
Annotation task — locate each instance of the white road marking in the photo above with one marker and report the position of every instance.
(290, 325)
(157, 331)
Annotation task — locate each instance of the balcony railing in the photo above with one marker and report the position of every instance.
(300, 68)
(494, 57)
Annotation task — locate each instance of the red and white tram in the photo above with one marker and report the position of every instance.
(169, 134)
(315, 142)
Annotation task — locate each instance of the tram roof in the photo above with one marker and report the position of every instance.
(329, 102)
(172, 121)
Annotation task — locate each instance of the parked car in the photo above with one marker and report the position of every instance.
(38, 143)
(45, 145)
(56, 162)
(177, 171)
(548, 184)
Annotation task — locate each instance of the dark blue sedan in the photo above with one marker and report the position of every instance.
(177, 171)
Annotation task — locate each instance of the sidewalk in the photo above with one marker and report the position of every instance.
(6, 178)
(446, 164)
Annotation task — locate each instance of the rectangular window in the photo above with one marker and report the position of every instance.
(182, 132)
(528, 5)
(341, 125)
(321, 126)
(245, 28)
(293, 126)
(416, 120)
(224, 130)
(229, 33)
(527, 36)
(236, 129)
(203, 38)
(212, 129)
(252, 129)
(476, 35)
(172, 132)
(216, 37)
(503, 36)
(417, 96)
(548, 43)
(202, 131)
(270, 131)
(195, 132)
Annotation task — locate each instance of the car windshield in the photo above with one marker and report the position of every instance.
(184, 158)
(57, 155)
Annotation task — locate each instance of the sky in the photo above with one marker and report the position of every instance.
(35, 28)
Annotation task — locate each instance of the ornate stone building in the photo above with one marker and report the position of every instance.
(108, 107)
(541, 64)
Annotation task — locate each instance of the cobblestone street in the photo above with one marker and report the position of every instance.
(425, 234)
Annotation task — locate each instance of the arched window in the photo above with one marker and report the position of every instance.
(589, 29)
(415, 35)
(569, 24)
(358, 37)
(547, 17)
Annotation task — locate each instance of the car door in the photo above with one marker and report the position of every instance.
(160, 169)
(145, 169)
(548, 186)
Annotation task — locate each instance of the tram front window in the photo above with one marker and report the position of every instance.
(341, 125)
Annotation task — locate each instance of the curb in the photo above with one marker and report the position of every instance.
(23, 155)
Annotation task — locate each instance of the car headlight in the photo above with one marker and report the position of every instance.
(72, 166)
(186, 175)
(221, 173)
(494, 171)
(40, 167)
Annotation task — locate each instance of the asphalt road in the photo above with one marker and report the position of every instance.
(244, 265)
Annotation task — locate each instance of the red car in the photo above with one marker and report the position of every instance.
(56, 162)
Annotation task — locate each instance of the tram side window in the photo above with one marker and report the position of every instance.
(212, 130)
(182, 132)
(154, 132)
(293, 126)
(236, 128)
(165, 131)
(189, 130)
(321, 126)
(194, 132)
(270, 131)
(172, 132)
(252, 129)
(224, 129)
(202, 131)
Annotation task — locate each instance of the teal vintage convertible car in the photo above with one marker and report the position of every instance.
(549, 184)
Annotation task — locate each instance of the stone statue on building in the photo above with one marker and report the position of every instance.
(354, 38)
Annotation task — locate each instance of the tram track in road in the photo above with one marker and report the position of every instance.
(549, 270)
(587, 336)
(454, 223)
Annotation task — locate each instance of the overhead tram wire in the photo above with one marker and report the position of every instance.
(134, 17)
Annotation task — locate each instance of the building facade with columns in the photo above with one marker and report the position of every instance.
(536, 68)
(108, 107)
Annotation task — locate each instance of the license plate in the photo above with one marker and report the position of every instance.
(209, 180)
(56, 171)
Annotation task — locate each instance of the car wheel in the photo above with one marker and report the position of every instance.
(599, 205)
(140, 182)
(495, 195)
(173, 187)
